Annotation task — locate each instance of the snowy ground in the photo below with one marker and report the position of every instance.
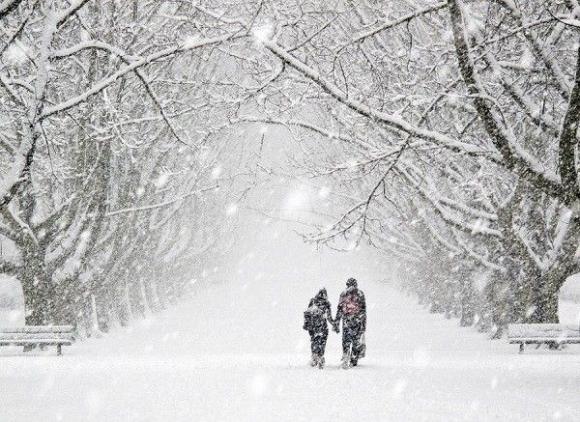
(235, 352)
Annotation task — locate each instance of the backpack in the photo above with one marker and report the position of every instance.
(312, 317)
(351, 304)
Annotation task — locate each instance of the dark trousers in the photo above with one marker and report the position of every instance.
(318, 342)
(351, 338)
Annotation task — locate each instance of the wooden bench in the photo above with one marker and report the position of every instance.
(38, 336)
(539, 334)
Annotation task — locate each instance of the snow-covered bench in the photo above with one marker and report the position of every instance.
(38, 335)
(558, 334)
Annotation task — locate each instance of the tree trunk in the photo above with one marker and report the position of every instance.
(546, 311)
(38, 290)
(519, 299)
(161, 295)
(150, 295)
(103, 309)
(496, 298)
(467, 312)
(136, 297)
(119, 300)
(68, 302)
(545, 300)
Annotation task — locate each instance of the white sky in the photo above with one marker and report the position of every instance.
(272, 248)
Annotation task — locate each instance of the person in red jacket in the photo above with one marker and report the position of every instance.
(352, 310)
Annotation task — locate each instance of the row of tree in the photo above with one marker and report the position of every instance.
(446, 133)
(112, 150)
(449, 134)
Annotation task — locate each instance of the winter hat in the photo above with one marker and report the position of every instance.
(351, 282)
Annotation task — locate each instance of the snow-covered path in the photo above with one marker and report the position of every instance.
(236, 352)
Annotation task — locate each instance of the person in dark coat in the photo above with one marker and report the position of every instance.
(315, 322)
(352, 310)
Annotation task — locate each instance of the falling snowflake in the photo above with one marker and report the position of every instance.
(216, 172)
(324, 192)
(162, 180)
(232, 209)
(263, 33)
(15, 54)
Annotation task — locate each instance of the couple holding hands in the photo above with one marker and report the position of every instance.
(351, 311)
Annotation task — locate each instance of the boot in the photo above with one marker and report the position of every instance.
(345, 361)
(314, 360)
(320, 364)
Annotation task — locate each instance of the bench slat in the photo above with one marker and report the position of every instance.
(35, 336)
(542, 331)
(46, 342)
(57, 335)
(540, 340)
(38, 329)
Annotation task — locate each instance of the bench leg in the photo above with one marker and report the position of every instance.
(521, 347)
(59, 349)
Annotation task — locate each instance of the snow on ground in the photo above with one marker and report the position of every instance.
(236, 352)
